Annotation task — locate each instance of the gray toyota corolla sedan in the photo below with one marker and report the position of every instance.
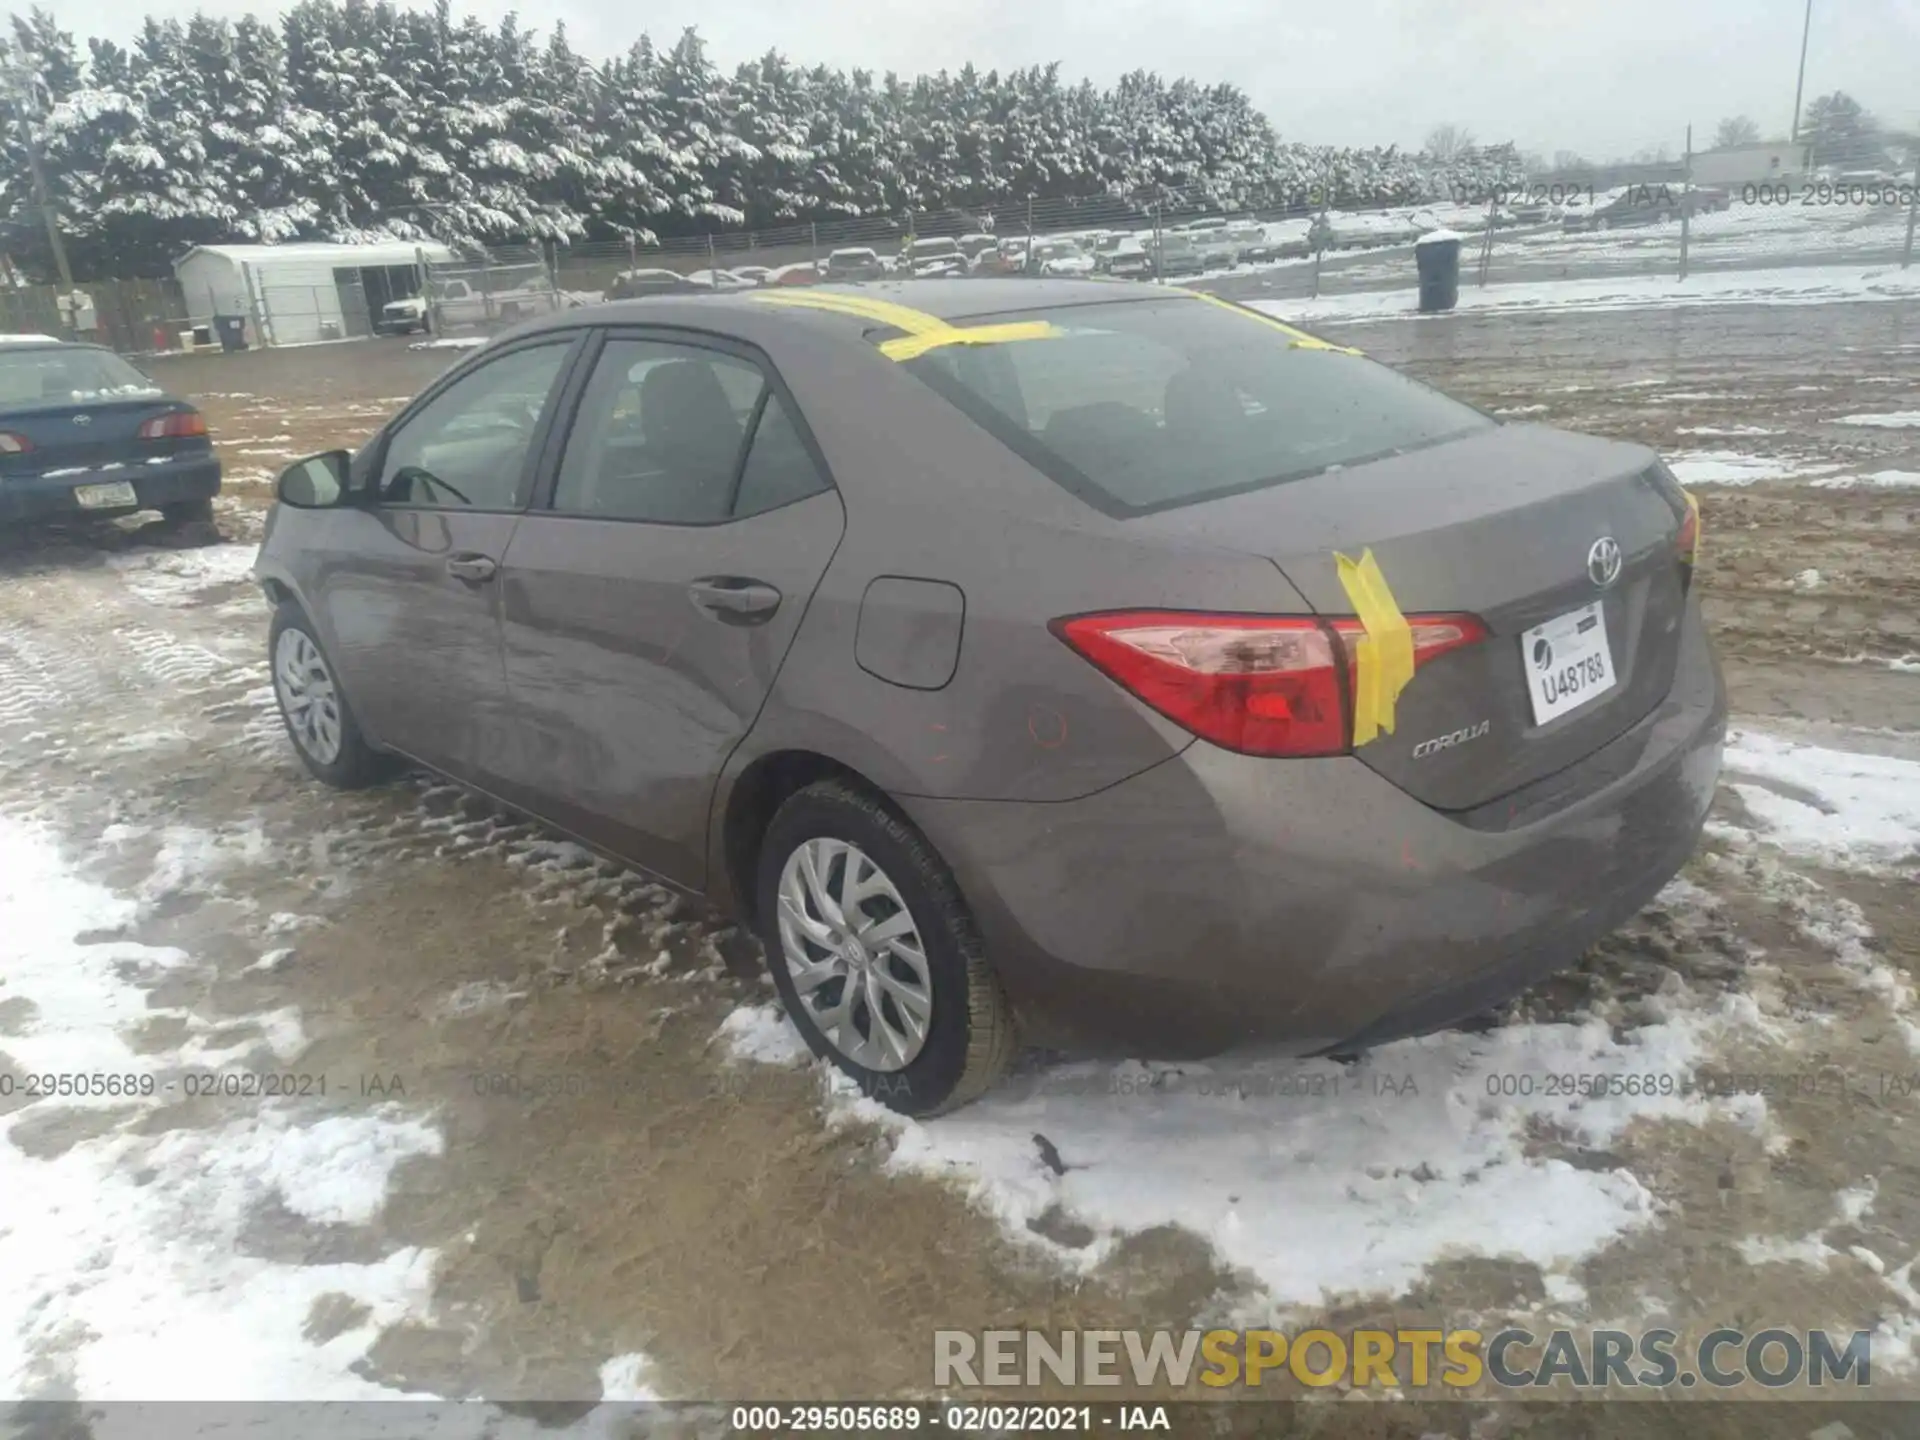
(1099, 663)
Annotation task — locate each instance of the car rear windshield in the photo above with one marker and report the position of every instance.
(68, 374)
(1145, 406)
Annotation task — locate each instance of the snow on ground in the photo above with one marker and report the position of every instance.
(1804, 285)
(1390, 1164)
(126, 1278)
(1836, 806)
(180, 577)
(1886, 479)
(1897, 420)
(451, 342)
(1731, 467)
(126, 1272)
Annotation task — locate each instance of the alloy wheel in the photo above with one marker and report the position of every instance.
(854, 954)
(308, 695)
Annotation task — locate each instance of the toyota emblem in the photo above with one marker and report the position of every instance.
(1603, 561)
(83, 419)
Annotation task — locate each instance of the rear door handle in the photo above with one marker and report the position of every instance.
(734, 600)
(471, 567)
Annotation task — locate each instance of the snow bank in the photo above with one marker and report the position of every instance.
(1731, 467)
(1898, 420)
(1834, 806)
(1318, 1179)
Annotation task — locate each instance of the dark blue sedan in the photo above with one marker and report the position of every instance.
(84, 433)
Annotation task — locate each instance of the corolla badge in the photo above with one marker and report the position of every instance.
(1448, 741)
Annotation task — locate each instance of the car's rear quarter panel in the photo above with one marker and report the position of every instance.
(931, 496)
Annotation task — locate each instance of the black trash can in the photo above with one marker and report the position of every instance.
(1437, 255)
(232, 330)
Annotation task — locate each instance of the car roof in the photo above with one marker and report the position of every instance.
(47, 343)
(743, 314)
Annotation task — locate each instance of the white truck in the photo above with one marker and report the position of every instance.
(456, 302)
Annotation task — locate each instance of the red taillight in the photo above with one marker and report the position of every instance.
(1261, 685)
(12, 444)
(175, 426)
(1687, 544)
(1433, 635)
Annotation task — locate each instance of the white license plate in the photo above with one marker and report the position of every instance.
(99, 497)
(1568, 661)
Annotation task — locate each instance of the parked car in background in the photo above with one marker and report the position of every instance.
(1635, 205)
(1004, 257)
(752, 274)
(500, 297)
(977, 244)
(806, 272)
(404, 316)
(1129, 260)
(718, 280)
(655, 574)
(934, 256)
(632, 284)
(1242, 237)
(84, 433)
(1213, 240)
(1178, 254)
(854, 262)
(1123, 255)
(1059, 257)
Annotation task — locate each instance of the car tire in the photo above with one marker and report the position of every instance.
(969, 1033)
(188, 512)
(348, 762)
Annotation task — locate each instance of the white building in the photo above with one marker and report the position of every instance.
(1739, 165)
(295, 294)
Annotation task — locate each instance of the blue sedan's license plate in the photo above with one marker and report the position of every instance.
(100, 497)
(1568, 661)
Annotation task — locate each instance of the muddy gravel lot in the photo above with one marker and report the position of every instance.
(536, 1140)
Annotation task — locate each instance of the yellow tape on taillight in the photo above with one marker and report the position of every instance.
(1693, 516)
(1384, 654)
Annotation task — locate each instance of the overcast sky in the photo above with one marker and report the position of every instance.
(1603, 77)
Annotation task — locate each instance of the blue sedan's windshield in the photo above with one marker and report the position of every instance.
(66, 375)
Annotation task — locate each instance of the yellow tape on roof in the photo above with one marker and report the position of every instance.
(1301, 339)
(1384, 652)
(922, 332)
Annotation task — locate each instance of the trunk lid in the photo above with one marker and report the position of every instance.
(86, 435)
(1499, 525)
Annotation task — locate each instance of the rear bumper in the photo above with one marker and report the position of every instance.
(1217, 898)
(189, 477)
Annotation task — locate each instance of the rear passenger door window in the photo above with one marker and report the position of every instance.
(779, 467)
(676, 434)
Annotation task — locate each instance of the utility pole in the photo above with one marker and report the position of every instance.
(1913, 210)
(1686, 204)
(1800, 86)
(26, 86)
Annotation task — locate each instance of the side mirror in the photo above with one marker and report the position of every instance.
(315, 483)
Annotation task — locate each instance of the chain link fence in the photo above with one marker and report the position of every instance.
(134, 317)
(1624, 222)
